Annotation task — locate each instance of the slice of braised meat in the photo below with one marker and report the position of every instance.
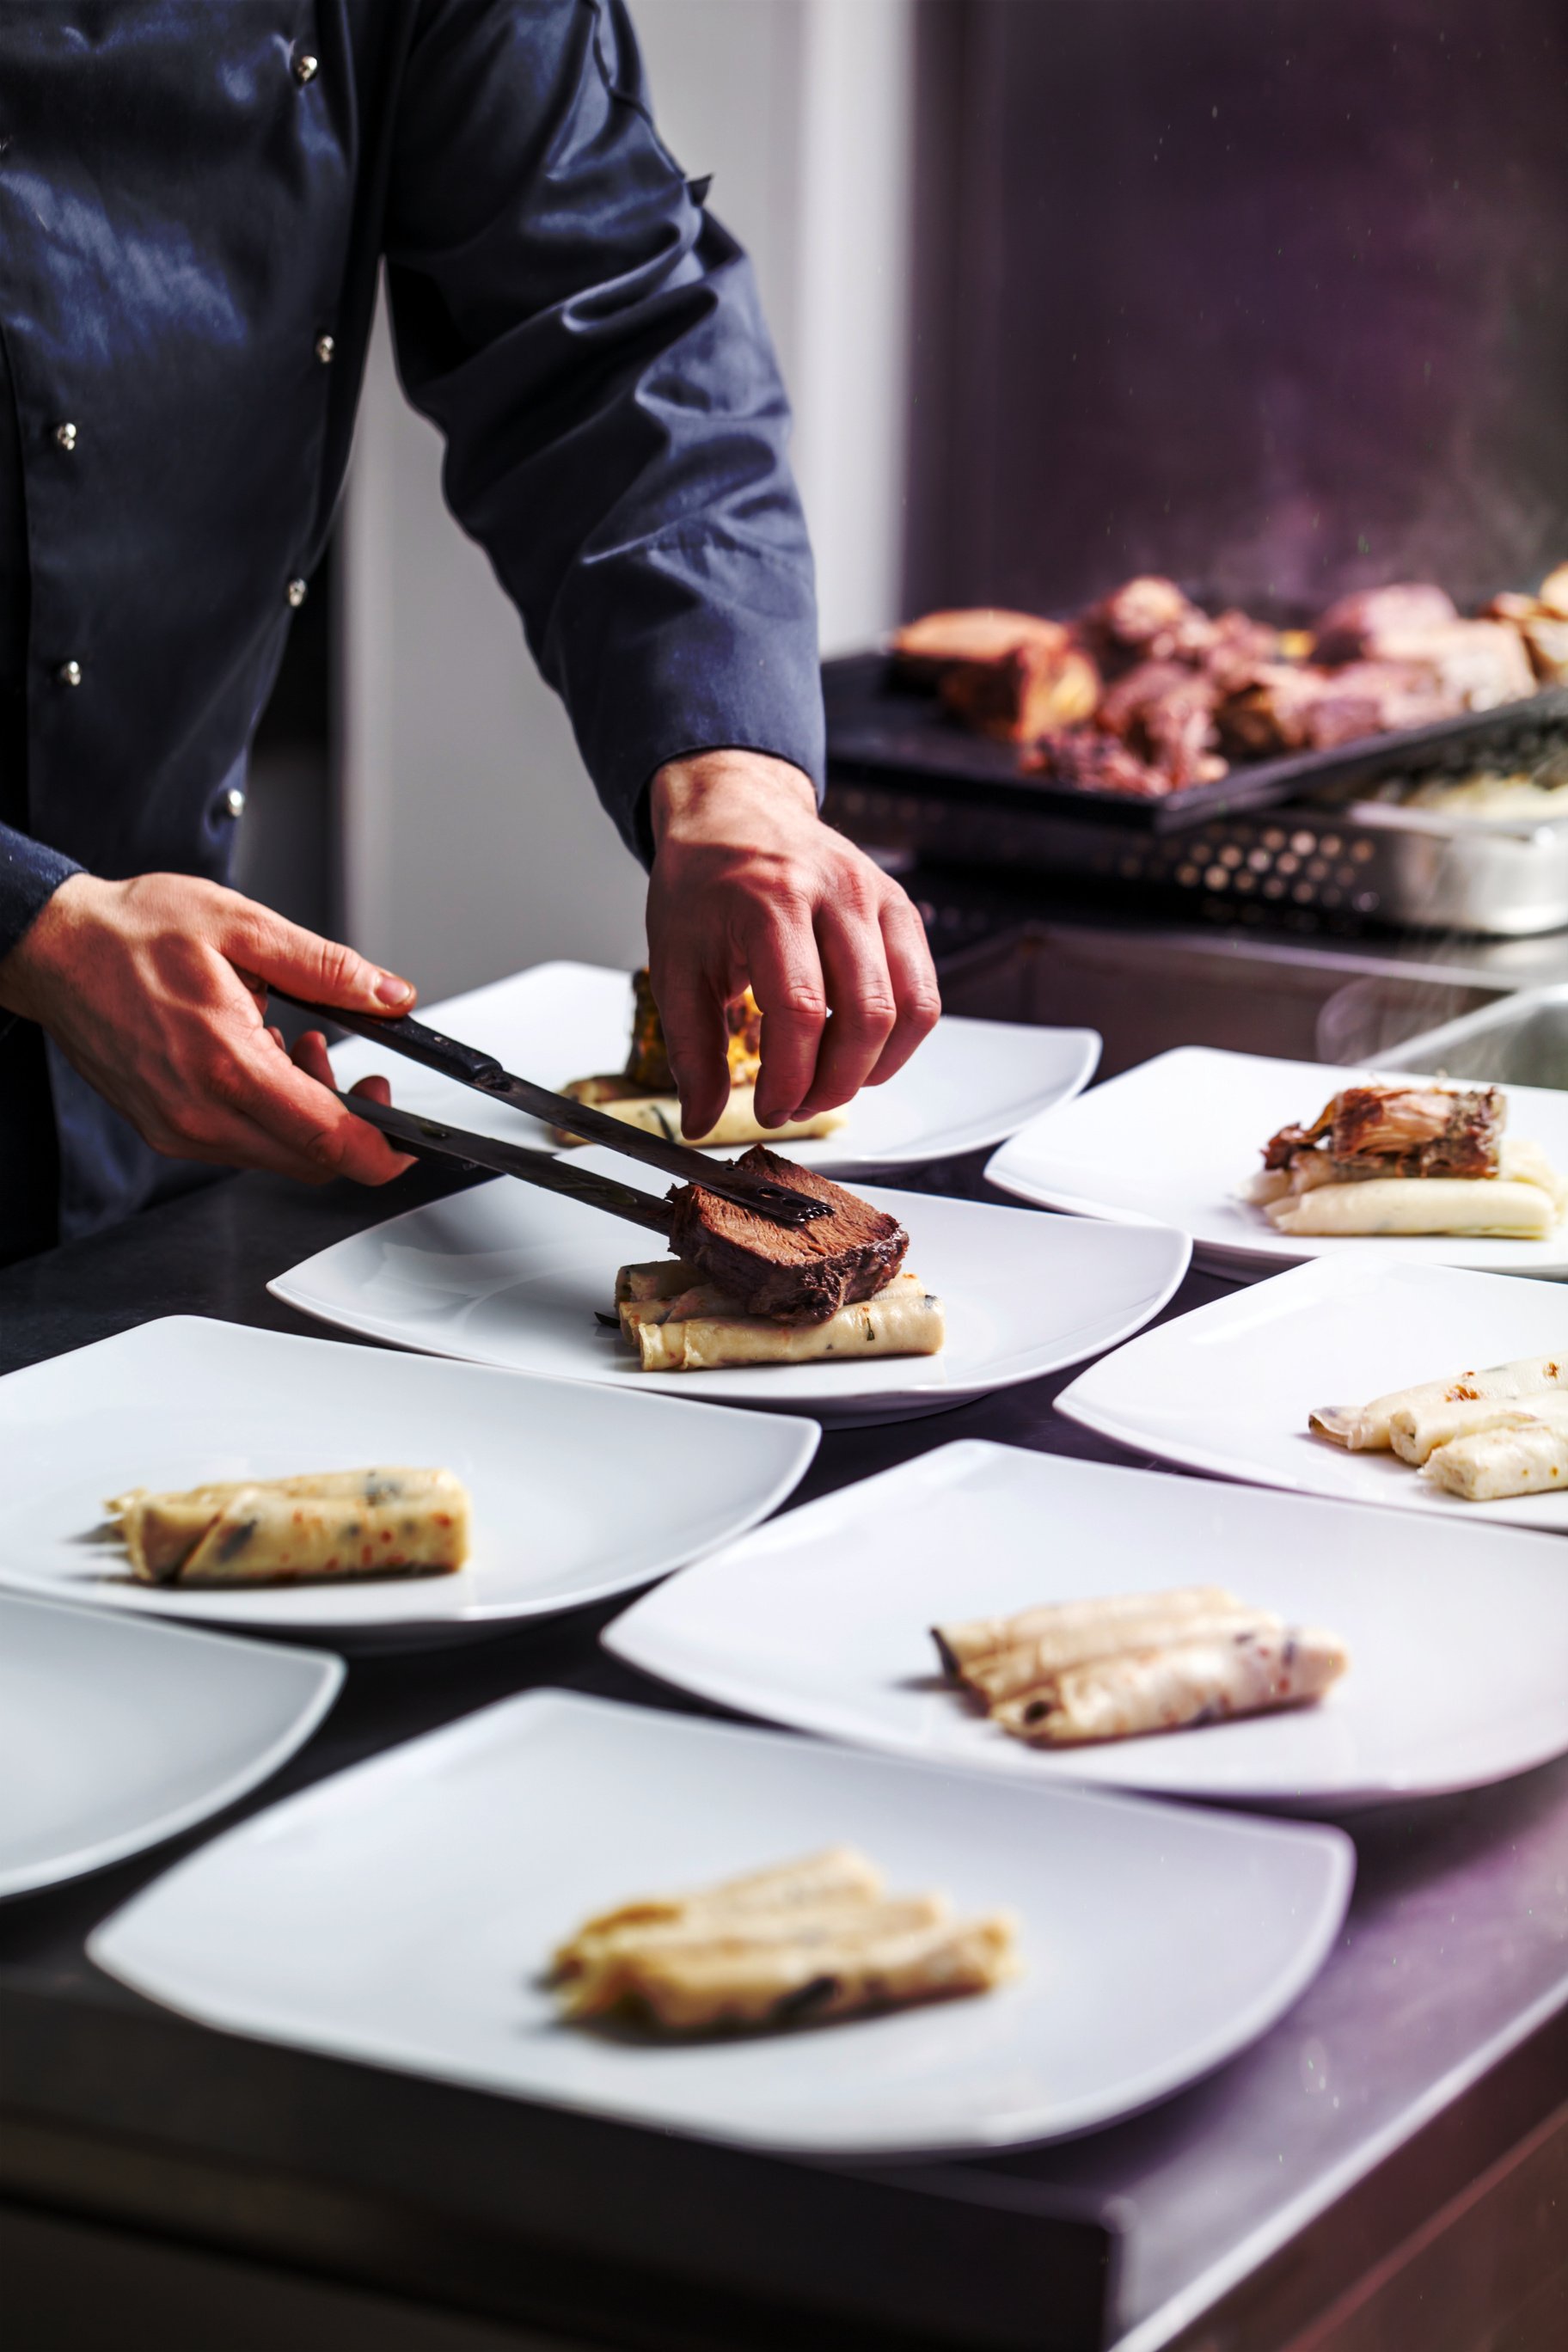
(1147, 619)
(923, 649)
(1402, 1131)
(1289, 706)
(1352, 628)
(796, 1273)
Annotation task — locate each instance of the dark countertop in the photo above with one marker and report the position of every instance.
(1433, 2043)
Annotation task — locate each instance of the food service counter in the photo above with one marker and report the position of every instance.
(1388, 2166)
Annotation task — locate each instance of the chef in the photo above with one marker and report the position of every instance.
(195, 197)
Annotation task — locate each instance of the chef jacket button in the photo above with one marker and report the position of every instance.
(306, 67)
(298, 592)
(234, 801)
(65, 437)
(325, 347)
(69, 674)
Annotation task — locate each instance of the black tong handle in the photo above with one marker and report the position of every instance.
(452, 1059)
(540, 1168)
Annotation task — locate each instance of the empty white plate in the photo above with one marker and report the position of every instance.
(1228, 1388)
(402, 1914)
(576, 1494)
(1174, 1138)
(821, 1621)
(972, 1082)
(114, 1735)
(505, 1275)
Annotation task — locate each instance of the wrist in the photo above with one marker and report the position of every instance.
(689, 795)
(27, 968)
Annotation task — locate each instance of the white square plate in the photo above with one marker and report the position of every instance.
(402, 1914)
(1174, 1138)
(505, 1275)
(114, 1735)
(1228, 1388)
(1458, 1643)
(972, 1082)
(576, 1494)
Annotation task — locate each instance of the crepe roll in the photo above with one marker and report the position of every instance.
(1369, 1428)
(1186, 1683)
(699, 1330)
(1416, 1432)
(1419, 1204)
(837, 1873)
(1005, 1673)
(1102, 1623)
(660, 1115)
(1528, 1460)
(341, 1523)
(744, 1983)
(610, 1968)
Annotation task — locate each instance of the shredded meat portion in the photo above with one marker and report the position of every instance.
(1089, 761)
(1399, 1131)
(1164, 712)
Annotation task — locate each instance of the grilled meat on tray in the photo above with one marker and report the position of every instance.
(1400, 1131)
(1164, 712)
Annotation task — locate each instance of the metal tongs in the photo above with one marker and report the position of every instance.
(469, 1068)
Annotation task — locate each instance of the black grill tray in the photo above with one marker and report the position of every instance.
(878, 730)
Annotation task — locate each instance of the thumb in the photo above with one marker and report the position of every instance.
(324, 971)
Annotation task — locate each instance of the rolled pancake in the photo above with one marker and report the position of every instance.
(699, 1330)
(334, 1523)
(1101, 1621)
(1189, 1683)
(839, 1871)
(614, 1965)
(1494, 1462)
(660, 1115)
(1006, 1673)
(1369, 1428)
(1419, 1204)
(1416, 1432)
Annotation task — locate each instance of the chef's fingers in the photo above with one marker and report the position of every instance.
(915, 991)
(696, 1041)
(861, 999)
(787, 981)
(255, 1109)
(324, 971)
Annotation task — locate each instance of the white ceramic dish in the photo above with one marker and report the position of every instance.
(972, 1082)
(504, 1275)
(1173, 1139)
(1457, 1644)
(576, 1494)
(115, 1735)
(401, 1914)
(1228, 1388)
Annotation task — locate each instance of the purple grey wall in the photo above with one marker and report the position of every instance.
(1269, 294)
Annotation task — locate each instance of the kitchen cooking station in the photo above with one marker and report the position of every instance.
(1344, 2181)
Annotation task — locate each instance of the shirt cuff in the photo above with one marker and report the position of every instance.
(30, 873)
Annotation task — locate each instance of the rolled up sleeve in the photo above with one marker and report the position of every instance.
(590, 341)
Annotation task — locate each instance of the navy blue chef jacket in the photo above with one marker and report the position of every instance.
(194, 199)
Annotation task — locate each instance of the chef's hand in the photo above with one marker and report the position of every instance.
(750, 887)
(155, 989)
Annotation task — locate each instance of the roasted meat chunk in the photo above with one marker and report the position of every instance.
(923, 649)
(1088, 761)
(801, 1274)
(1148, 619)
(1413, 1130)
(1164, 712)
(1287, 707)
(1354, 628)
(1036, 686)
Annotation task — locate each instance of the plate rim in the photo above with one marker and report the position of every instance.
(470, 1623)
(325, 1671)
(1335, 1849)
(1357, 1796)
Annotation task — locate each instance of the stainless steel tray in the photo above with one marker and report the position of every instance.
(1404, 866)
